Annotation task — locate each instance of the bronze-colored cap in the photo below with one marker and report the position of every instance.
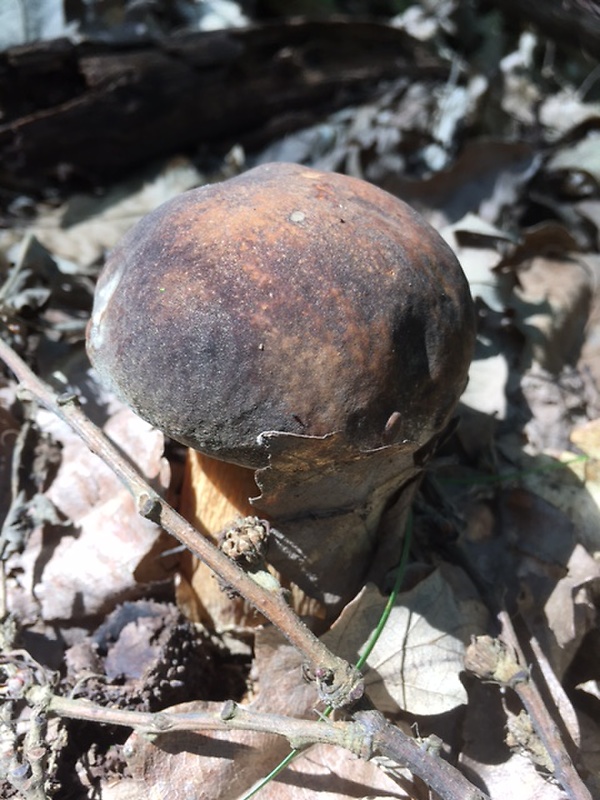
(285, 299)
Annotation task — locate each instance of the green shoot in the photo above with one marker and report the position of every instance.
(293, 754)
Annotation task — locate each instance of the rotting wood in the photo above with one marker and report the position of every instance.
(88, 112)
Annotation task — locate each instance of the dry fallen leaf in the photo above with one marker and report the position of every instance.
(224, 765)
(569, 611)
(89, 565)
(416, 664)
(565, 110)
(87, 226)
(552, 304)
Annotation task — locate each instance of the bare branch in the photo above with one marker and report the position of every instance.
(501, 661)
(299, 732)
(389, 741)
(369, 734)
(337, 681)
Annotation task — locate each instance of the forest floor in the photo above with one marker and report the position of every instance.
(500, 150)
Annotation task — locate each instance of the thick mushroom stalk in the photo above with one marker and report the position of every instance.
(302, 324)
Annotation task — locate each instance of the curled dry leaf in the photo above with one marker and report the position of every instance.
(416, 664)
(478, 246)
(570, 611)
(486, 176)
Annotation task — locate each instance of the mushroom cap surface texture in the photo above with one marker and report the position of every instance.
(284, 299)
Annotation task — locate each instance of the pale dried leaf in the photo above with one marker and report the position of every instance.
(570, 610)
(515, 777)
(552, 304)
(521, 94)
(486, 390)
(565, 110)
(478, 246)
(87, 227)
(416, 664)
(584, 156)
(23, 21)
(331, 773)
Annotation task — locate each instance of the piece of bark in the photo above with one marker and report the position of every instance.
(91, 111)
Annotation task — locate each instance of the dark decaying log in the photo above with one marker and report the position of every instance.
(575, 23)
(91, 111)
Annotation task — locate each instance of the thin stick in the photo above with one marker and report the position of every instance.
(501, 661)
(299, 732)
(545, 727)
(338, 683)
(369, 734)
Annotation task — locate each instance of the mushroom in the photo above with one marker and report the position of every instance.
(306, 329)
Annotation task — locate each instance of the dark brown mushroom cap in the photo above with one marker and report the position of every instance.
(284, 299)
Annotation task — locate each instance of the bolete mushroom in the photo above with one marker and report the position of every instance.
(304, 326)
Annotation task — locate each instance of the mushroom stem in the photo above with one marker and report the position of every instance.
(214, 494)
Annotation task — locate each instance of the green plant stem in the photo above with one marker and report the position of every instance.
(400, 570)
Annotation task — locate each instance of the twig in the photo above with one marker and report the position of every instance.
(561, 707)
(502, 662)
(35, 752)
(299, 732)
(21, 764)
(369, 734)
(337, 681)
(389, 741)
